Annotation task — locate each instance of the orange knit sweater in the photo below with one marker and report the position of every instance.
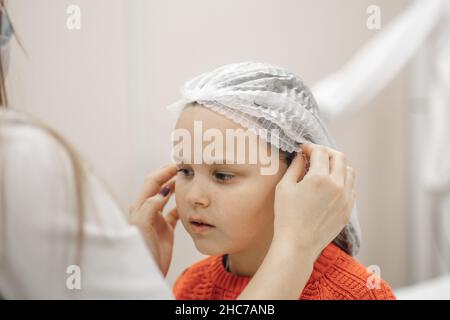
(336, 275)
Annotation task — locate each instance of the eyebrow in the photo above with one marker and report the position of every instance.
(215, 162)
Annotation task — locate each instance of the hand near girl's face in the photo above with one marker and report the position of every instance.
(146, 214)
(311, 209)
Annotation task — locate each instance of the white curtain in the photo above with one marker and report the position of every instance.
(419, 36)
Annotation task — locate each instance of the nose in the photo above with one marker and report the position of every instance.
(196, 195)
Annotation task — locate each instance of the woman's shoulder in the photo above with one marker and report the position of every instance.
(347, 278)
(194, 277)
(28, 140)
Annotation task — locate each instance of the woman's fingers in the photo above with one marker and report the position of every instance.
(327, 161)
(349, 191)
(154, 205)
(154, 182)
(172, 217)
(349, 181)
(296, 170)
(319, 162)
(338, 166)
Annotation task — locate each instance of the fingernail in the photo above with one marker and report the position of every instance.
(164, 191)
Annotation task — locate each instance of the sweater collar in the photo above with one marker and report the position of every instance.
(226, 280)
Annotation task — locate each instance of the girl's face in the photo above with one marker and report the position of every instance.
(236, 199)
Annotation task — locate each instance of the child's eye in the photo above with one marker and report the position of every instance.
(223, 176)
(185, 172)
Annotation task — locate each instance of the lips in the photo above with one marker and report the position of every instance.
(199, 224)
(199, 221)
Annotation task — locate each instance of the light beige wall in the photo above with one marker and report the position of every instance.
(82, 82)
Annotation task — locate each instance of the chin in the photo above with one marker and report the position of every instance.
(209, 248)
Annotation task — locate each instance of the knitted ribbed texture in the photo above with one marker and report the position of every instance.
(336, 276)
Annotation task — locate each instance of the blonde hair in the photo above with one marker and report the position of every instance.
(14, 118)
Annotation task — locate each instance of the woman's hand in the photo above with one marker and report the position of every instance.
(308, 215)
(146, 214)
(311, 209)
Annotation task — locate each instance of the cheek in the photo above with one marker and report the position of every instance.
(246, 210)
(180, 201)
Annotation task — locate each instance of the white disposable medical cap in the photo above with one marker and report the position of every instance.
(262, 96)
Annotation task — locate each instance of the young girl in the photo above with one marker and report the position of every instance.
(228, 207)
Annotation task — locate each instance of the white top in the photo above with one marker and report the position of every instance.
(38, 230)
